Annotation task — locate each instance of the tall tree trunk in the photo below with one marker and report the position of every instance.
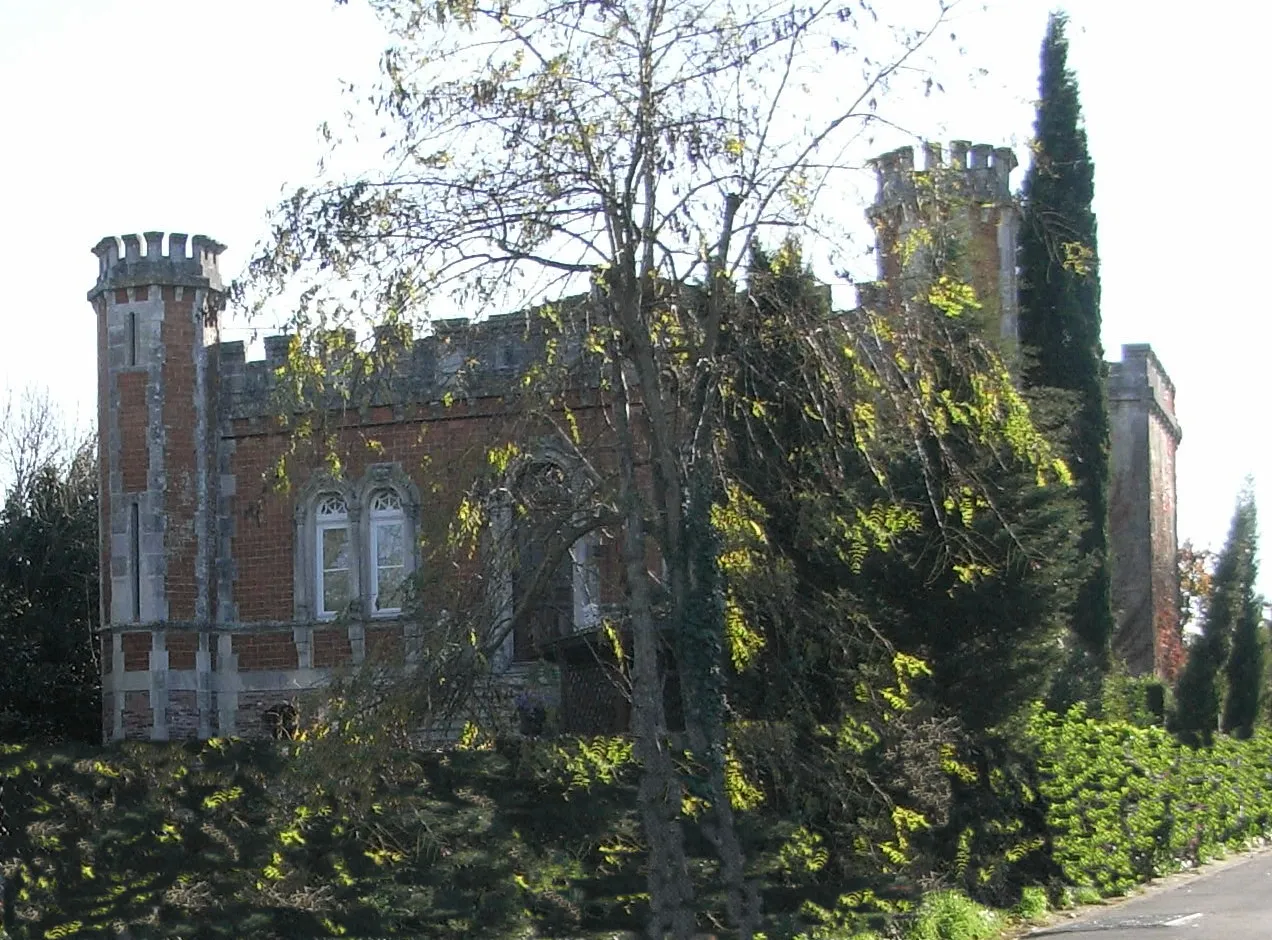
(660, 793)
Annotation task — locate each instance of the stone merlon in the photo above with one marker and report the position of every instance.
(986, 176)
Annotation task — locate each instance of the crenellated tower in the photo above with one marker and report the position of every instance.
(958, 211)
(156, 312)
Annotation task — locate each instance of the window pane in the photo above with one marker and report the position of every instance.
(332, 504)
(335, 549)
(388, 584)
(388, 544)
(335, 591)
(386, 501)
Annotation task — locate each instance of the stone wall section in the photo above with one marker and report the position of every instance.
(1144, 435)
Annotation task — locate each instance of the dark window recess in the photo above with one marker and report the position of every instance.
(134, 560)
(543, 570)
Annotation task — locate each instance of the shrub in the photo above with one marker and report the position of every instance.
(952, 915)
(1126, 804)
(1032, 904)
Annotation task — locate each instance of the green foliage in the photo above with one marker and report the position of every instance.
(1244, 670)
(540, 838)
(1032, 904)
(1060, 308)
(951, 552)
(1138, 700)
(1221, 682)
(951, 915)
(995, 842)
(49, 676)
(1126, 804)
(220, 839)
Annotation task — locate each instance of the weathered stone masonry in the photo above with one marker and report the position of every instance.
(1144, 435)
(153, 310)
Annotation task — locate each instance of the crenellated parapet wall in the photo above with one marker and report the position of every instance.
(129, 266)
(980, 172)
(958, 206)
(458, 358)
(1141, 378)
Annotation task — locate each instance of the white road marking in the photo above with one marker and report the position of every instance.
(1180, 921)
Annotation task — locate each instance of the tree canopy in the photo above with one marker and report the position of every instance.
(1221, 684)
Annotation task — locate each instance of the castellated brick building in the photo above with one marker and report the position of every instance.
(224, 599)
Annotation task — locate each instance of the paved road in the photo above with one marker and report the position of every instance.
(1233, 902)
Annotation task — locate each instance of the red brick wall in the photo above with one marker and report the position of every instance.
(260, 651)
(134, 454)
(136, 651)
(179, 458)
(138, 718)
(441, 448)
(183, 714)
(331, 648)
(439, 454)
(108, 655)
(181, 650)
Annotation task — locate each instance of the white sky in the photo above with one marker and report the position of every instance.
(132, 115)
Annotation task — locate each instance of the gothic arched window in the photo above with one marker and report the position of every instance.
(388, 551)
(333, 555)
(355, 545)
(553, 577)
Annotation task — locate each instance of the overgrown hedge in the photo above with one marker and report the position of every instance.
(540, 838)
(217, 840)
(1125, 804)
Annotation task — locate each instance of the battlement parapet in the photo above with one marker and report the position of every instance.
(459, 358)
(127, 266)
(981, 172)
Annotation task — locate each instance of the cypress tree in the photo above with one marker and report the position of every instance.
(1060, 310)
(1214, 661)
(1244, 669)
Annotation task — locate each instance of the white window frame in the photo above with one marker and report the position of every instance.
(323, 523)
(310, 523)
(377, 517)
(584, 560)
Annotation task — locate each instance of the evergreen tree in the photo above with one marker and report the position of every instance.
(49, 682)
(983, 597)
(1244, 669)
(1211, 663)
(1060, 309)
